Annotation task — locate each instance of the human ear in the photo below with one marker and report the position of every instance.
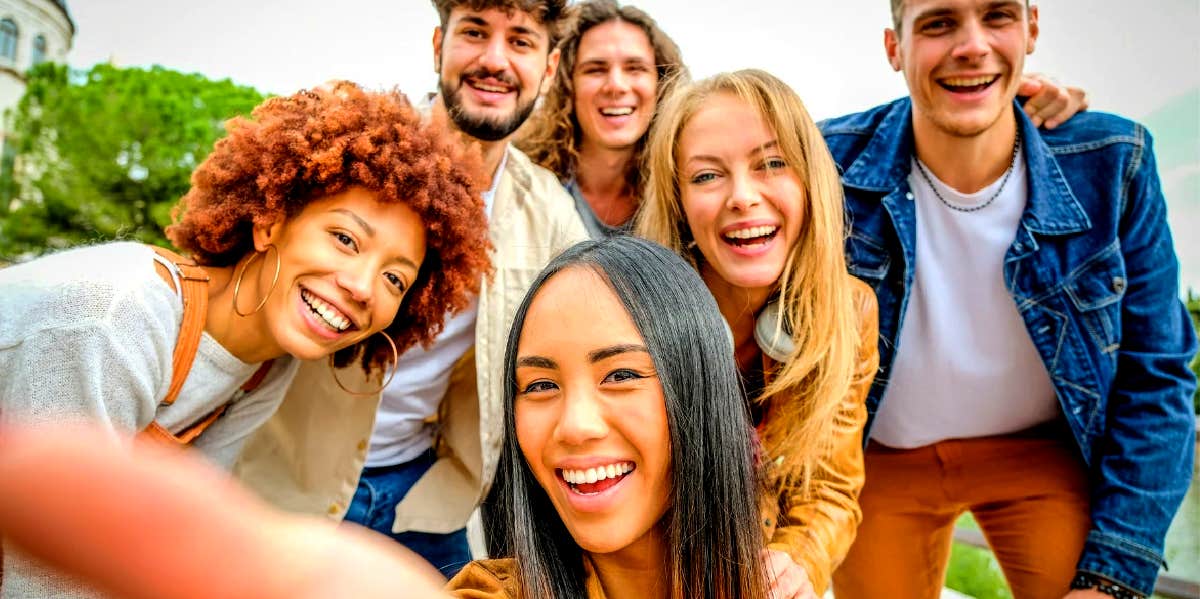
(1033, 29)
(266, 233)
(891, 45)
(551, 70)
(437, 50)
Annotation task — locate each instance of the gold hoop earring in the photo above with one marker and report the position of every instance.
(237, 284)
(386, 382)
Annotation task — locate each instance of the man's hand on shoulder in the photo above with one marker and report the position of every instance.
(1050, 103)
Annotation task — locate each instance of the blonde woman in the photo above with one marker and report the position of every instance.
(740, 183)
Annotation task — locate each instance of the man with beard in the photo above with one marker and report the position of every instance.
(438, 427)
(1033, 349)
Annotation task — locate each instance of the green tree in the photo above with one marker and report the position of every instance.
(106, 153)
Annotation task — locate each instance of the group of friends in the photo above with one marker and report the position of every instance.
(670, 338)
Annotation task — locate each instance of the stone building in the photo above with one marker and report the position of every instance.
(31, 31)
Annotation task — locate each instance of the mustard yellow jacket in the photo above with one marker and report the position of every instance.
(817, 528)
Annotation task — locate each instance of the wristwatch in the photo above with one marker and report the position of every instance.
(1087, 580)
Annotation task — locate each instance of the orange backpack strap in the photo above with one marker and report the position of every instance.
(193, 288)
(192, 283)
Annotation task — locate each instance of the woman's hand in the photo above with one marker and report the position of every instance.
(785, 578)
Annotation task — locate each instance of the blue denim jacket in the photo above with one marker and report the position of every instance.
(1093, 272)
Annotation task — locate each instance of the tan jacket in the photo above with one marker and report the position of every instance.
(817, 528)
(309, 455)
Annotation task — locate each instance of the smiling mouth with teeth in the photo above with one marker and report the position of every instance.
(326, 314)
(496, 89)
(967, 84)
(751, 236)
(624, 111)
(591, 481)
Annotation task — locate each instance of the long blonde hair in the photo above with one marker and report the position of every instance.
(814, 291)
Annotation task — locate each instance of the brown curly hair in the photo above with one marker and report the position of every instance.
(317, 143)
(551, 137)
(549, 13)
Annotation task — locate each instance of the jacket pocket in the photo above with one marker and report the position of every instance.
(867, 259)
(1096, 288)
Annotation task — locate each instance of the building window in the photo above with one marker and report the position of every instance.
(8, 39)
(39, 50)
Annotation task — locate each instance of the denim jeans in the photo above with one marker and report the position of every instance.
(374, 506)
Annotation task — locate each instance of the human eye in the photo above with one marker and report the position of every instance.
(538, 386)
(523, 43)
(999, 17)
(622, 375)
(345, 239)
(775, 163)
(703, 177)
(473, 33)
(397, 281)
(935, 26)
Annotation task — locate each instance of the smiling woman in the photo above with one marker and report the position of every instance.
(627, 463)
(310, 234)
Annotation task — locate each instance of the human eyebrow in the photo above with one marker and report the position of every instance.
(536, 362)
(473, 20)
(358, 219)
(592, 62)
(527, 31)
(939, 11)
(702, 158)
(607, 352)
(770, 145)
(1004, 4)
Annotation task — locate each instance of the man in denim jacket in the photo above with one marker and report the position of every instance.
(1034, 353)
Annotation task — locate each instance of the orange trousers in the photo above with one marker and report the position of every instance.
(1028, 492)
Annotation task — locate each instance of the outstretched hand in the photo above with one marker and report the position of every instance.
(143, 521)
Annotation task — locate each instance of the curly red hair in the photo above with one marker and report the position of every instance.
(319, 142)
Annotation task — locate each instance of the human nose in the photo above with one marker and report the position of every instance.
(616, 82)
(581, 420)
(972, 43)
(494, 58)
(744, 192)
(357, 281)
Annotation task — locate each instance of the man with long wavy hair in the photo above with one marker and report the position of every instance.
(616, 65)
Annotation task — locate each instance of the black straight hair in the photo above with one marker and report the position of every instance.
(713, 542)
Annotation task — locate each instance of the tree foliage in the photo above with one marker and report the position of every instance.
(106, 153)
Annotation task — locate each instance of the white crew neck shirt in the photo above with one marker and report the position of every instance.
(965, 365)
(422, 377)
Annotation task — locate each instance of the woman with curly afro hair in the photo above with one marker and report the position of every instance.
(332, 224)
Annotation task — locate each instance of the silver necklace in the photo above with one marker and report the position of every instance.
(1012, 165)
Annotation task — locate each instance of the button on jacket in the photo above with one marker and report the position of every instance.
(1093, 273)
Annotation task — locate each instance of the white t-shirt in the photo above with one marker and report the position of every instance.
(422, 377)
(965, 365)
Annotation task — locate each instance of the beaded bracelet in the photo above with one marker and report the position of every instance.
(1085, 580)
